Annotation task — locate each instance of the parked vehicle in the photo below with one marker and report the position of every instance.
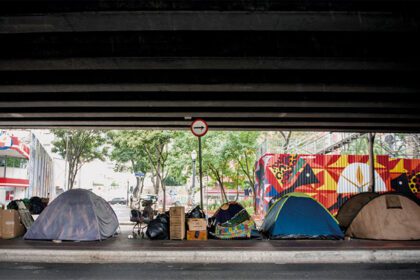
(118, 200)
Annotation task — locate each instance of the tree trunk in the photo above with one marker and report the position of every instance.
(222, 188)
(137, 183)
(70, 177)
(142, 185)
(286, 140)
(237, 185)
(254, 195)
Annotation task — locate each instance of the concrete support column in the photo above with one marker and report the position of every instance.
(371, 141)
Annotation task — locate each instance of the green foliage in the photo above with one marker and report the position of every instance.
(114, 184)
(16, 162)
(179, 160)
(228, 157)
(128, 152)
(171, 181)
(213, 207)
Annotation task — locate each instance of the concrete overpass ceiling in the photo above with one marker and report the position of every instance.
(327, 65)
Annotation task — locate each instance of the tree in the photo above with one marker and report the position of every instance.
(78, 147)
(242, 147)
(286, 137)
(129, 156)
(156, 147)
(144, 151)
(228, 157)
(216, 159)
(179, 164)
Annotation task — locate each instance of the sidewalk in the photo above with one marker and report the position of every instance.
(123, 250)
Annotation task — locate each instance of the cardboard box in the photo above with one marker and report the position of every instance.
(11, 225)
(177, 222)
(197, 235)
(197, 224)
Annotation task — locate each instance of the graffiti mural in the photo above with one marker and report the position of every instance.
(332, 179)
(405, 176)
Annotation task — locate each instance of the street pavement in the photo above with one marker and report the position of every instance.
(122, 212)
(44, 271)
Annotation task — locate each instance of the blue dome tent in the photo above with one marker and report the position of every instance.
(77, 215)
(299, 216)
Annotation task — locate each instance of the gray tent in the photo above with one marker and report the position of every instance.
(390, 216)
(77, 215)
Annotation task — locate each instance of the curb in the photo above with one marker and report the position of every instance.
(205, 256)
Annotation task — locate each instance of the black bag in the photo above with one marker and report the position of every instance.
(135, 216)
(158, 229)
(196, 213)
(13, 205)
(36, 206)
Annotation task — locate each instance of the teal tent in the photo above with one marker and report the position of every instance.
(299, 216)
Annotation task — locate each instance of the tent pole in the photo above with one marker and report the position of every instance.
(371, 140)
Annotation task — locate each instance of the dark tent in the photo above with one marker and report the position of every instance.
(231, 221)
(351, 207)
(299, 216)
(77, 215)
(390, 216)
(227, 211)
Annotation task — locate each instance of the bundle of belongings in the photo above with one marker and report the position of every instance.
(231, 221)
(158, 228)
(196, 224)
(195, 213)
(35, 204)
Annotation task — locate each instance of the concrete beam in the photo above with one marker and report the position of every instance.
(203, 114)
(356, 104)
(234, 89)
(207, 63)
(209, 21)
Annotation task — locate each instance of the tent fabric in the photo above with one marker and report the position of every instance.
(351, 207)
(240, 226)
(227, 211)
(77, 215)
(298, 216)
(389, 216)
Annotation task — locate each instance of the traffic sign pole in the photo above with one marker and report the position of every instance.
(199, 128)
(201, 172)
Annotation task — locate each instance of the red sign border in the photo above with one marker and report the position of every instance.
(205, 132)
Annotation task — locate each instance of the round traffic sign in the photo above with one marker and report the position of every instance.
(199, 127)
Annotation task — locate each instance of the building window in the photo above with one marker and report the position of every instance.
(16, 162)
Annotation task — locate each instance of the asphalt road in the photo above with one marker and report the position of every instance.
(122, 212)
(206, 271)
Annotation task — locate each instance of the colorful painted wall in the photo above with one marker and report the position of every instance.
(332, 179)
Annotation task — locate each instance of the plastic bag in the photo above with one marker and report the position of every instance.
(36, 205)
(196, 213)
(158, 229)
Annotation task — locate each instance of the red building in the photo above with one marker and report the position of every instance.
(14, 159)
